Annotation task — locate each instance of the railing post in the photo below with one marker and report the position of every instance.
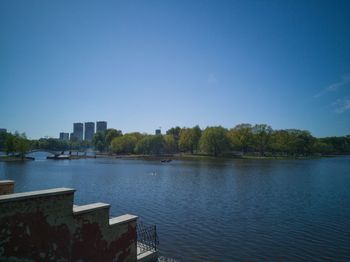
(147, 238)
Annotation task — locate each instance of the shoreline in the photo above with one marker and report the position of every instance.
(27, 158)
(15, 159)
(181, 157)
(208, 157)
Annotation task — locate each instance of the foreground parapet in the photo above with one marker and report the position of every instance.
(6, 187)
(45, 225)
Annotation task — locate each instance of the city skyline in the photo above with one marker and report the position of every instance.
(145, 65)
(84, 131)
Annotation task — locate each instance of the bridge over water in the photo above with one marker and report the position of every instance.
(44, 150)
(53, 152)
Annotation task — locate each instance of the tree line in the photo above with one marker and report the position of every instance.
(243, 139)
(19, 144)
(14, 143)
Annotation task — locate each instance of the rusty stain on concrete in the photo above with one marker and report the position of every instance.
(41, 226)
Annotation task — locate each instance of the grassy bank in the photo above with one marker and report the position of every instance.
(207, 157)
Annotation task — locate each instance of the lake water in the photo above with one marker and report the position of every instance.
(236, 210)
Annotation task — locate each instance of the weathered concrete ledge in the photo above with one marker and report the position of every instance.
(6, 182)
(36, 194)
(7, 187)
(45, 226)
(122, 219)
(77, 210)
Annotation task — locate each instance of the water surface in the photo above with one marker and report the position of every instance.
(236, 210)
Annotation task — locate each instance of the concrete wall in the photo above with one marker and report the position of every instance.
(44, 226)
(6, 187)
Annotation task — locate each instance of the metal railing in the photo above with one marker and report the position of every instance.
(147, 238)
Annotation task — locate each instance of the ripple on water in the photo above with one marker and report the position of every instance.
(217, 211)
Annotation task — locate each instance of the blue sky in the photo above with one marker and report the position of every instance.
(141, 65)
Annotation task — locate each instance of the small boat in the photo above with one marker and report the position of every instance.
(165, 160)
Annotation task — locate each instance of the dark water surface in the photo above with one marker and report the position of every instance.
(237, 210)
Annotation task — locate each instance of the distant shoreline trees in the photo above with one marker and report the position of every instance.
(243, 139)
(14, 143)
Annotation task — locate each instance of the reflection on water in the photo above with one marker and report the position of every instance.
(216, 210)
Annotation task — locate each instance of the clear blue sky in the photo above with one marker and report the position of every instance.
(144, 64)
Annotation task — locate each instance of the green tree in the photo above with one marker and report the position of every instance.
(22, 145)
(241, 137)
(300, 142)
(175, 133)
(99, 141)
(196, 136)
(143, 146)
(123, 144)
(214, 141)
(185, 141)
(169, 144)
(341, 145)
(110, 134)
(10, 144)
(137, 135)
(279, 141)
(151, 144)
(74, 144)
(189, 139)
(34, 144)
(3, 137)
(261, 135)
(291, 142)
(322, 148)
(51, 144)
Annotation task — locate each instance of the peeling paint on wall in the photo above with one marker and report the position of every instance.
(45, 228)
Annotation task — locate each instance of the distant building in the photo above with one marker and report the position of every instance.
(3, 130)
(101, 126)
(71, 136)
(158, 132)
(78, 131)
(89, 130)
(64, 136)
